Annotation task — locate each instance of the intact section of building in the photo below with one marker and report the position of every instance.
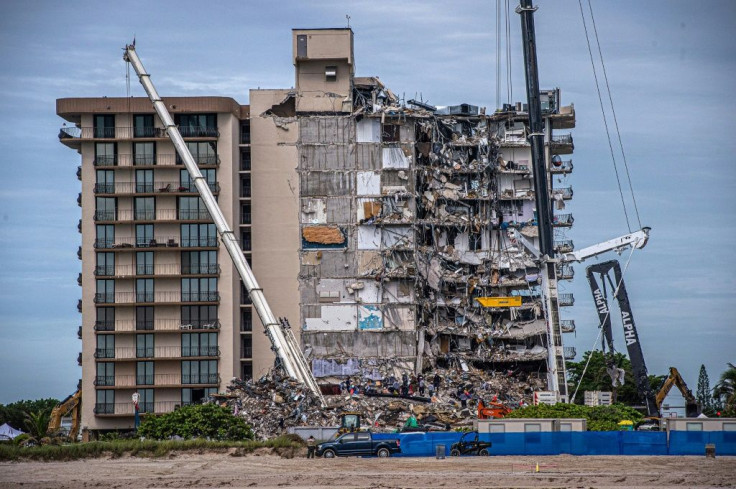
(162, 312)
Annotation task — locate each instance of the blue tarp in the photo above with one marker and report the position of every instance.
(574, 443)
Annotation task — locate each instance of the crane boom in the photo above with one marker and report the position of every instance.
(283, 342)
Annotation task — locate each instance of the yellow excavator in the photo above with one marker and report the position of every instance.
(674, 379)
(71, 406)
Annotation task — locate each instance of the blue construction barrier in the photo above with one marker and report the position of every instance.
(693, 442)
(574, 443)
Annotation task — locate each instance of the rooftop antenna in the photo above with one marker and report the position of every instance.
(348, 17)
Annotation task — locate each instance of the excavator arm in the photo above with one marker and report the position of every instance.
(71, 405)
(692, 407)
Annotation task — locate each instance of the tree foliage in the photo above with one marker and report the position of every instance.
(16, 414)
(703, 394)
(599, 418)
(725, 390)
(196, 421)
(597, 379)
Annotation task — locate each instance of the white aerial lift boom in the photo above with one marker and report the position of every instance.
(283, 341)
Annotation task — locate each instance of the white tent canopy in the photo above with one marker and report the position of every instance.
(7, 432)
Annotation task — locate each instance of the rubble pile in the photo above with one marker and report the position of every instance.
(273, 403)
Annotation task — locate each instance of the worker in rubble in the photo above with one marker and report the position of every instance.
(436, 382)
(422, 386)
(311, 446)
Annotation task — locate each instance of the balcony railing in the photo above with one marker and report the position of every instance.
(105, 270)
(194, 215)
(105, 325)
(130, 188)
(132, 242)
(200, 351)
(567, 325)
(565, 272)
(565, 192)
(128, 408)
(104, 352)
(199, 324)
(105, 381)
(562, 139)
(104, 298)
(212, 269)
(202, 160)
(200, 379)
(202, 242)
(564, 246)
(199, 132)
(157, 352)
(111, 132)
(564, 166)
(569, 352)
(563, 220)
(200, 296)
(133, 325)
(566, 300)
(105, 216)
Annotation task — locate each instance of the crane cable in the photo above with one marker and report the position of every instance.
(603, 113)
(600, 326)
(613, 111)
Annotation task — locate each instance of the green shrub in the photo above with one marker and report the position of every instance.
(599, 418)
(208, 421)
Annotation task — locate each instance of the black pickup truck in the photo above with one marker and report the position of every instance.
(358, 444)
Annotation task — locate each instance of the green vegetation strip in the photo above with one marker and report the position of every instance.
(599, 418)
(145, 448)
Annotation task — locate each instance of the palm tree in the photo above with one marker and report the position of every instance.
(726, 387)
(37, 423)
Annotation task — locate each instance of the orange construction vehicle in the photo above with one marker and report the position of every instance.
(492, 410)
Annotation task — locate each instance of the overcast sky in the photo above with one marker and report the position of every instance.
(671, 67)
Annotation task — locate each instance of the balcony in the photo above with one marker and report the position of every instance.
(134, 326)
(199, 132)
(104, 353)
(135, 243)
(212, 379)
(104, 270)
(167, 187)
(128, 408)
(77, 133)
(566, 300)
(199, 324)
(104, 298)
(561, 167)
(569, 352)
(567, 325)
(200, 296)
(565, 272)
(212, 269)
(79, 333)
(194, 215)
(564, 246)
(150, 215)
(563, 220)
(562, 143)
(200, 351)
(104, 381)
(565, 193)
(105, 325)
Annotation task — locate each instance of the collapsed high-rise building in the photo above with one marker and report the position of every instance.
(377, 225)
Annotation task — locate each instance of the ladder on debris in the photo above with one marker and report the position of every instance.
(283, 341)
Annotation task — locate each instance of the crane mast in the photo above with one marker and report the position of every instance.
(283, 341)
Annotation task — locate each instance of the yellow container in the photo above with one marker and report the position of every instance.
(499, 301)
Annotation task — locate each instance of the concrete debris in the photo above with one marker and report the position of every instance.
(445, 398)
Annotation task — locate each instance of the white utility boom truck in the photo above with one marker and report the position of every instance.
(283, 341)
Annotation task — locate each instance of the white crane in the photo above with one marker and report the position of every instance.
(283, 341)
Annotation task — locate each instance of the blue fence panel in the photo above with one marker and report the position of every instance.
(644, 443)
(597, 443)
(693, 442)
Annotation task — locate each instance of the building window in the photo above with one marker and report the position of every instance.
(144, 373)
(199, 289)
(105, 374)
(192, 208)
(144, 345)
(198, 372)
(144, 181)
(246, 346)
(144, 318)
(105, 182)
(104, 126)
(105, 265)
(204, 153)
(105, 402)
(475, 241)
(144, 263)
(245, 216)
(199, 317)
(198, 235)
(144, 235)
(144, 154)
(105, 208)
(187, 185)
(105, 346)
(145, 208)
(246, 371)
(245, 238)
(144, 290)
(143, 126)
(693, 426)
(105, 320)
(246, 320)
(197, 125)
(105, 154)
(245, 159)
(145, 401)
(105, 293)
(105, 236)
(199, 345)
(199, 262)
(245, 132)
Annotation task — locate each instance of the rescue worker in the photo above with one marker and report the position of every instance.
(311, 446)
